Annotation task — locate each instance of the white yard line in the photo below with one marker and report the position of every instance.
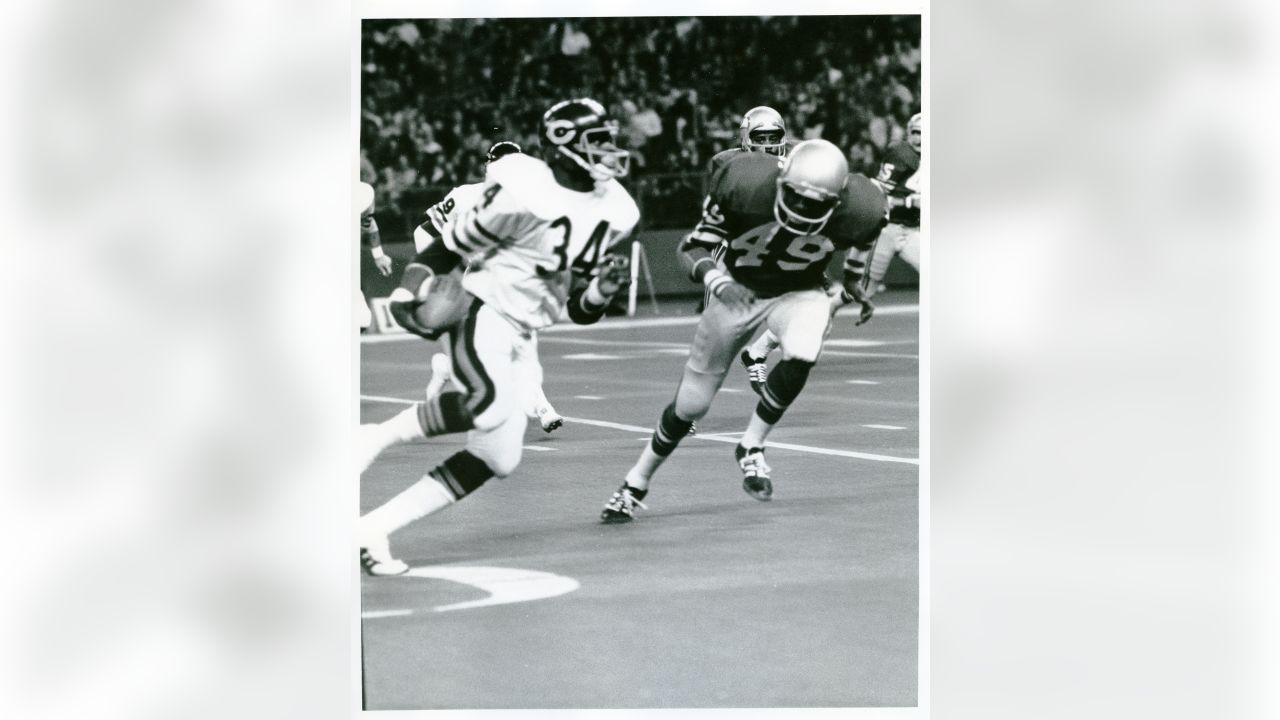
(637, 322)
(711, 438)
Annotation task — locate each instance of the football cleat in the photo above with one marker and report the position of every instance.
(755, 473)
(622, 505)
(376, 560)
(549, 419)
(441, 374)
(757, 371)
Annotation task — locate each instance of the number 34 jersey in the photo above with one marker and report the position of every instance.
(525, 236)
(761, 254)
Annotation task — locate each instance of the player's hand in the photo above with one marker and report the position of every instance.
(859, 295)
(736, 295)
(383, 264)
(615, 274)
(915, 200)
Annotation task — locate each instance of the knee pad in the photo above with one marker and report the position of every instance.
(502, 461)
(501, 447)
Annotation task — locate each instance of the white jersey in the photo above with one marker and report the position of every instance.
(440, 214)
(526, 233)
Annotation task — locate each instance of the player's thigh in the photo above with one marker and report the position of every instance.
(483, 348)
(527, 371)
(721, 334)
(910, 245)
(500, 447)
(800, 320)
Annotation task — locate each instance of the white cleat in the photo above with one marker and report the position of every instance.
(441, 374)
(375, 557)
(549, 418)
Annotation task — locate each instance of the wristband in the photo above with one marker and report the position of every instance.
(716, 279)
(377, 252)
(694, 271)
(593, 296)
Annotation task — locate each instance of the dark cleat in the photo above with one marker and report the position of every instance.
(755, 473)
(622, 505)
(757, 371)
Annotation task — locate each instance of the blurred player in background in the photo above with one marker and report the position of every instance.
(900, 178)
(536, 243)
(369, 236)
(536, 405)
(782, 225)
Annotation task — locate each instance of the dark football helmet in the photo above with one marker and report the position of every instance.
(499, 149)
(582, 132)
(763, 130)
(810, 186)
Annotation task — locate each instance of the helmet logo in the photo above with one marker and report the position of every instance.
(560, 132)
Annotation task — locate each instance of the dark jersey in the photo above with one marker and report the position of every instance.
(761, 254)
(897, 177)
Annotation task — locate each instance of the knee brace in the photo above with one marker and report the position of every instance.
(782, 388)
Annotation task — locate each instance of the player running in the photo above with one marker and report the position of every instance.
(535, 403)
(783, 221)
(900, 178)
(536, 238)
(370, 236)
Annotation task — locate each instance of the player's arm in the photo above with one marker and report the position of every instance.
(697, 254)
(436, 217)
(591, 296)
(434, 260)
(370, 236)
(490, 224)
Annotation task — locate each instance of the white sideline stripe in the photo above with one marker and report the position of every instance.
(862, 382)
(646, 431)
(629, 323)
(588, 397)
(885, 427)
(538, 448)
(591, 356)
(373, 614)
(383, 398)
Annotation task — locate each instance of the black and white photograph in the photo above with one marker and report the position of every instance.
(640, 361)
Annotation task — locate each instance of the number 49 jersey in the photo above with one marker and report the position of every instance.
(526, 235)
(761, 253)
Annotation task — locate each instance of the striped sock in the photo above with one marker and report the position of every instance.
(782, 388)
(462, 473)
(445, 413)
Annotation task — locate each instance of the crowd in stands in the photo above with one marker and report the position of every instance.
(437, 93)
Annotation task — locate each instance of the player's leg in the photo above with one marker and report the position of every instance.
(441, 374)
(886, 247)
(720, 334)
(482, 405)
(528, 370)
(755, 359)
(363, 314)
(800, 320)
(910, 246)
(482, 351)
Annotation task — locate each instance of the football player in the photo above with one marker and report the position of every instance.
(762, 130)
(535, 403)
(900, 178)
(369, 236)
(783, 221)
(539, 239)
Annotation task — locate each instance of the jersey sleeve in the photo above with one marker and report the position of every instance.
(861, 215)
(496, 220)
(712, 229)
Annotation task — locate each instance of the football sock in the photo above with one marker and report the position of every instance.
(443, 414)
(765, 344)
(451, 481)
(671, 429)
(780, 390)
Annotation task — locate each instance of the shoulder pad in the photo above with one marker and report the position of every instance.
(622, 209)
(746, 179)
(364, 197)
(526, 178)
(862, 208)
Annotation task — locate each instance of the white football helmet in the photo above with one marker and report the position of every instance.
(810, 186)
